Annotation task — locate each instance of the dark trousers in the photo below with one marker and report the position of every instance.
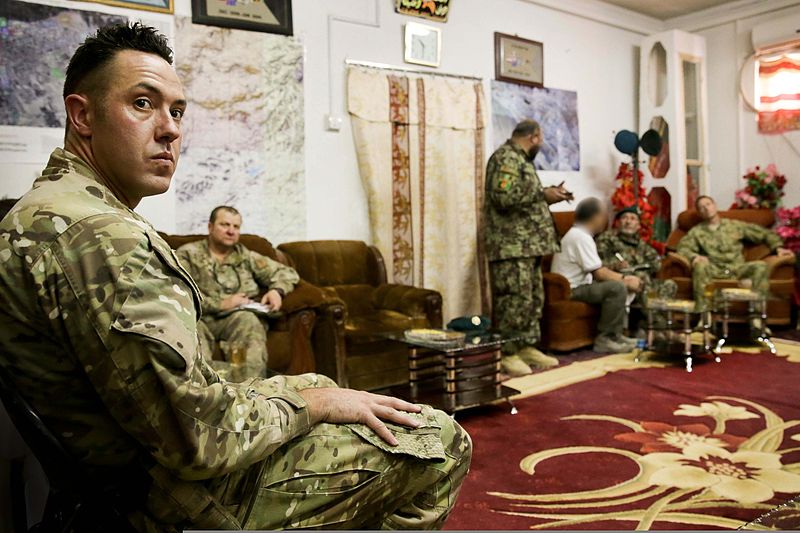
(610, 296)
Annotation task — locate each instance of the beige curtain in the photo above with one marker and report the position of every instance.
(419, 142)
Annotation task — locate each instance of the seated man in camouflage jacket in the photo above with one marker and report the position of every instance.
(99, 313)
(230, 276)
(714, 248)
(622, 249)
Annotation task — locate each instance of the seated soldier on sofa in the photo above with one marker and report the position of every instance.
(593, 283)
(622, 249)
(229, 276)
(715, 250)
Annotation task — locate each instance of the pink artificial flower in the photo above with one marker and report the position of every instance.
(752, 200)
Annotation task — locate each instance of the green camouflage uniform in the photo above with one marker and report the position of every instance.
(519, 230)
(242, 271)
(636, 253)
(724, 249)
(98, 313)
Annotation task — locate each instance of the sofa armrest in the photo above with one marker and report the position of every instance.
(675, 265)
(411, 301)
(304, 296)
(781, 267)
(556, 287)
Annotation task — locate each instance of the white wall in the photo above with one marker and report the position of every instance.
(597, 60)
(734, 142)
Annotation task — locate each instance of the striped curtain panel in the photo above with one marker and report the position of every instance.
(779, 94)
(419, 141)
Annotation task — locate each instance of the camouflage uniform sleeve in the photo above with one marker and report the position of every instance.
(759, 234)
(652, 258)
(132, 307)
(273, 274)
(507, 186)
(689, 246)
(210, 304)
(605, 249)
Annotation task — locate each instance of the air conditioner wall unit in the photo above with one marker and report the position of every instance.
(777, 36)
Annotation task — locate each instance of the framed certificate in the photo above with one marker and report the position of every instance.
(518, 60)
(270, 16)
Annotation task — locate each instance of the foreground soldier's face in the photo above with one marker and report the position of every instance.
(136, 132)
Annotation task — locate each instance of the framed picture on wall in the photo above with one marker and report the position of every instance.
(159, 6)
(423, 44)
(518, 60)
(270, 16)
(436, 10)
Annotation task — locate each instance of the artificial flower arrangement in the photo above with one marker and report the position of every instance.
(763, 189)
(789, 227)
(624, 197)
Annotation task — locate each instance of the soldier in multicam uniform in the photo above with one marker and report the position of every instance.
(98, 312)
(714, 248)
(228, 276)
(637, 257)
(519, 231)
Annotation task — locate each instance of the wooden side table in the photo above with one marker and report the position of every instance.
(755, 315)
(673, 318)
(457, 376)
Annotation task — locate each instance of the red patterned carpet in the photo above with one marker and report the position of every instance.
(607, 444)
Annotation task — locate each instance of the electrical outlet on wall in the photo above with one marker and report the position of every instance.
(333, 123)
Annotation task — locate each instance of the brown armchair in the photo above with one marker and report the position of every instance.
(566, 324)
(289, 337)
(782, 269)
(352, 343)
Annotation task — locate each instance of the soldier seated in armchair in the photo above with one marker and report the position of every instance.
(230, 276)
(715, 250)
(622, 249)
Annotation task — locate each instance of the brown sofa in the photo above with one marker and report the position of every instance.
(289, 338)
(355, 349)
(782, 270)
(566, 324)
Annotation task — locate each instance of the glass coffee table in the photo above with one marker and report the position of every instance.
(669, 330)
(745, 307)
(455, 376)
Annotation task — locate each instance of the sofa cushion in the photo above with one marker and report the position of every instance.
(327, 263)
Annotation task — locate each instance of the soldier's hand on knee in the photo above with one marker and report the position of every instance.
(345, 406)
(700, 260)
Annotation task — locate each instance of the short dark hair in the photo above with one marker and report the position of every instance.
(226, 208)
(99, 49)
(525, 128)
(701, 197)
(587, 209)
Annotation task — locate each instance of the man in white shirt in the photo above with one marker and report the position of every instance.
(591, 282)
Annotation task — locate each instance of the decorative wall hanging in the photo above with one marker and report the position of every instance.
(430, 9)
(518, 60)
(423, 44)
(270, 16)
(420, 147)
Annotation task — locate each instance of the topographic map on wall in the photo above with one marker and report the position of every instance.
(554, 109)
(243, 130)
(37, 42)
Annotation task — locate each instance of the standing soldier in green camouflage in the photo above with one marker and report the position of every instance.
(519, 232)
(714, 249)
(99, 313)
(623, 250)
(228, 276)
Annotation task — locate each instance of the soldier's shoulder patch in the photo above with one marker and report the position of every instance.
(505, 181)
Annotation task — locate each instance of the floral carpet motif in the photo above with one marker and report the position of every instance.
(639, 447)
